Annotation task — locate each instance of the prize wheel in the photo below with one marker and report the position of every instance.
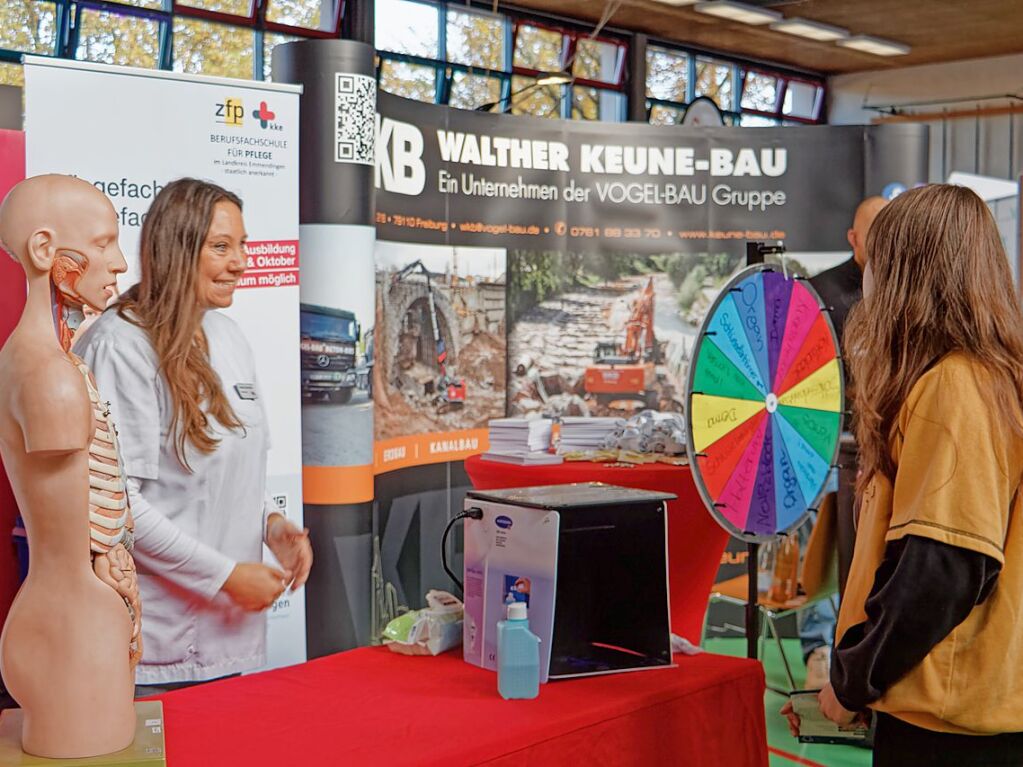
(764, 404)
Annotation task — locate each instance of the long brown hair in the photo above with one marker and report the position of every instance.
(165, 303)
(941, 284)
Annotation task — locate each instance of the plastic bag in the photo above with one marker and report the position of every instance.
(430, 631)
(650, 432)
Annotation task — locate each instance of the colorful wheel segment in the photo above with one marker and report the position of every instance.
(765, 403)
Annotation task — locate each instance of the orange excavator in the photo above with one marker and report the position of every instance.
(628, 371)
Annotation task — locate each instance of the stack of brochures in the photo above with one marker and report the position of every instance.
(580, 434)
(520, 440)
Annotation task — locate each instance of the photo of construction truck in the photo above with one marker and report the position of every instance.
(327, 345)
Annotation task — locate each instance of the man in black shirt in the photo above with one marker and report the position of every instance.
(840, 287)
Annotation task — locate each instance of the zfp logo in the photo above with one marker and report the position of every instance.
(503, 522)
(230, 112)
(266, 117)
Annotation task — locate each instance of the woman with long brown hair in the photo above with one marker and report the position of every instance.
(182, 384)
(930, 633)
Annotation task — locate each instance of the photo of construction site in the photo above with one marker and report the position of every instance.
(440, 338)
(606, 334)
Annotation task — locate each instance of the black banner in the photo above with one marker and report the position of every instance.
(448, 176)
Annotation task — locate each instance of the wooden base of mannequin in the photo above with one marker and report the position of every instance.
(147, 750)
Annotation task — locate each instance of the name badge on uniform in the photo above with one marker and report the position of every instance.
(246, 390)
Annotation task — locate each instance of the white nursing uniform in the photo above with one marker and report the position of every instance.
(191, 528)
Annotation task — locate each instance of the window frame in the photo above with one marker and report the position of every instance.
(68, 28)
(740, 69)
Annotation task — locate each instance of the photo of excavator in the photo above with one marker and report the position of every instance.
(447, 390)
(629, 374)
(439, 350)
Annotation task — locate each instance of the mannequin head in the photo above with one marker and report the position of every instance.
(63, 229)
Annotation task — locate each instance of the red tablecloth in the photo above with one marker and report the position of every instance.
(375, 708)
(695, 541)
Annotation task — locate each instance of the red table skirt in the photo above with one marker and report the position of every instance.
(376, 708)
(695, 541)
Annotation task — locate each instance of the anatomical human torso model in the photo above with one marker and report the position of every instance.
(71, 640)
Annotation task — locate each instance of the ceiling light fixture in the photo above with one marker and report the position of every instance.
(677, 3)
(733, 11)
(875, 45)
(812, 30)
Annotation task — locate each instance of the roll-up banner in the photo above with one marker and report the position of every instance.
(129, 132)
(510, 253)
(337, 329)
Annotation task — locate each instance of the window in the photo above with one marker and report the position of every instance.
(538, 101)
(476, 40)
(469, 91)
(758, 121)
(233, 7)
(754, 97)
(28, 26)
(408, 27)
(467, 58)
(801, 99)
(597, 60)
(597, 104)
(585, 103)
(306, 14)
(760, 92)
(114, 38)
(271, 41)
(12, 74)
(212, 49)
(714, 80)
(667, 74)
(413, 81)
(665, 115)
(155, 5)
(539, 49)
(218, 37)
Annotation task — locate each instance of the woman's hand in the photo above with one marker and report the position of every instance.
(254, 586)
(291, 547)
(789, 713)
(832, 709)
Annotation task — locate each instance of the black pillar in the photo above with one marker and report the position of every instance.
(636, 92)
(358, 23)
(333, 74)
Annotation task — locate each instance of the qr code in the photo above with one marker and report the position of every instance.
(355, 126)
(281, 502)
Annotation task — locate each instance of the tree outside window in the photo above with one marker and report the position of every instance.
(113, 38)
(714, 80)
(667, 74)
(212, 49)
(28, 26)
(413, 81)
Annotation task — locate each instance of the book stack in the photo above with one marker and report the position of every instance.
(580, 434)
(520, 440)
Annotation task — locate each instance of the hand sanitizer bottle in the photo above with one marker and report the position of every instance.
(518, 655)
